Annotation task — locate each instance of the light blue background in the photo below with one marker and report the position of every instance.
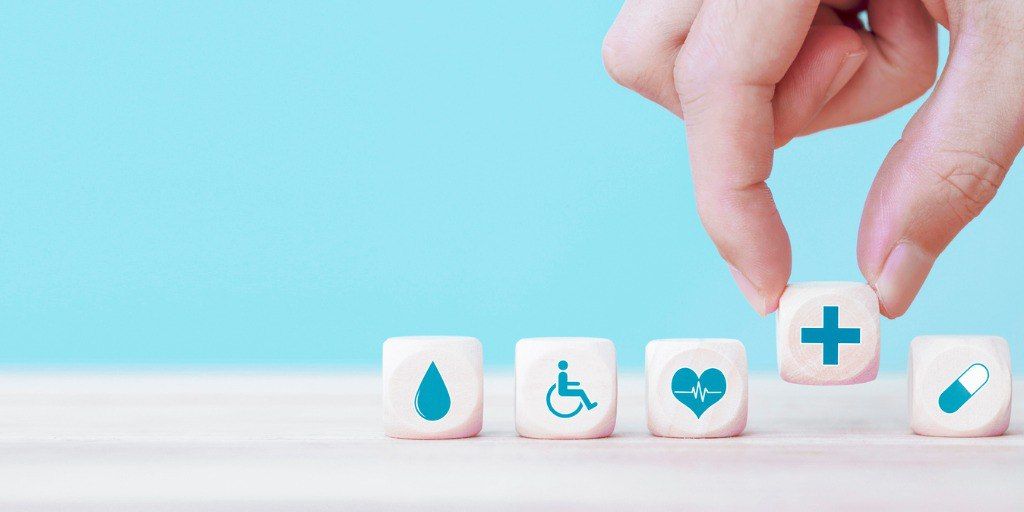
(263, 183)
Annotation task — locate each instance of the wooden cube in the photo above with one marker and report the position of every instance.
(828, 333)
(566, 388)
(433, 387)
(960, 386)
(696, 387)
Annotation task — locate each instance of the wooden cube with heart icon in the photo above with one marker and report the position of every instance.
(827, 333)
(696, 387)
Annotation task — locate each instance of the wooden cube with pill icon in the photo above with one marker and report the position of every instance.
(827, 333)
(696, 388)
(565, 388)
(433, 387)
(960, 386)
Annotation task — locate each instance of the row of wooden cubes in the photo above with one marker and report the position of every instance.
(566, 388)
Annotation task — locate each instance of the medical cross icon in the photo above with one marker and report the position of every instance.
(830, 335)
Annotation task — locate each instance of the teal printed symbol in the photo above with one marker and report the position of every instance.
(432, 398)
(568, 388)
(963, 388)
(698, 393)
(830, 335)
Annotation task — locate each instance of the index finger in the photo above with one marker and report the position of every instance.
(736, 53)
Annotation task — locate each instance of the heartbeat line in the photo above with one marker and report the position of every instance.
(698, 392)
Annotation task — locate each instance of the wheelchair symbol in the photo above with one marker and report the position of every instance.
(568, 388)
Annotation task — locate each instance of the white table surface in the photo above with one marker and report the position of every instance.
(313, 441)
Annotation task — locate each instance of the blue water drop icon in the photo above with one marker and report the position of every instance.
(432, 398)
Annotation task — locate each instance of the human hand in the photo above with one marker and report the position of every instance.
(749, 75)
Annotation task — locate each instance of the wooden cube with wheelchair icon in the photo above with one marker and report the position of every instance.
(566, 388)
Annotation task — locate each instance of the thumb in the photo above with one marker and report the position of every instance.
(951, 160)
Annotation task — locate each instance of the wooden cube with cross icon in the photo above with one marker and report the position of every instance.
(827, 333)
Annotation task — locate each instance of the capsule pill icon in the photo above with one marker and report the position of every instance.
(963, 388)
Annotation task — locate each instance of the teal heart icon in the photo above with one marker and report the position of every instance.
(698, 393)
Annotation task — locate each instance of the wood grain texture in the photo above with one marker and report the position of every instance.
(257, 441)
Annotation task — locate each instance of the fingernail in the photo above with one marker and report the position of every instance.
(749, 291)
(902, 276)
(851, 63)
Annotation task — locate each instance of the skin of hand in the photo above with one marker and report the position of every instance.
(749, 75)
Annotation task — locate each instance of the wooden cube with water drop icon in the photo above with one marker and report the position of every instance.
(566, 388)
(433, 387)
(828, 333)
(696, 388)
(960, 386)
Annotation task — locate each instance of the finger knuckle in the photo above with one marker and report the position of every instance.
(969, 181)
(623, 65)
(693, 101)
(693, 84)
